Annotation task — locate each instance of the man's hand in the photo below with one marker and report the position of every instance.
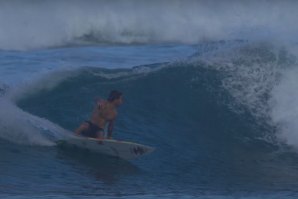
(110, 129)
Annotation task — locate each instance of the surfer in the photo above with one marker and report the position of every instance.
(105, 113)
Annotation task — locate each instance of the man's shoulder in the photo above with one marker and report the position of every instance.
(101, 103)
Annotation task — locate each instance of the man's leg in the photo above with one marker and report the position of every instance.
(100, 135)
(84, 126)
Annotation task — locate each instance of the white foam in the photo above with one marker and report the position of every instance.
(264, 79)
(284, 106)
(248, 73)
(20, 127)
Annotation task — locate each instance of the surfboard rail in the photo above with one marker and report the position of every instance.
(111, 147)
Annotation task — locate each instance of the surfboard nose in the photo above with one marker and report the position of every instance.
(150, 150)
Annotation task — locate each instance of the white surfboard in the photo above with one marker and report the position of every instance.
(121, 149)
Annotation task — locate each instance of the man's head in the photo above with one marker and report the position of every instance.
(115, 97)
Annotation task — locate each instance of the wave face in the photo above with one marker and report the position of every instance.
(42, 24)
(213, 117)
(179, 100)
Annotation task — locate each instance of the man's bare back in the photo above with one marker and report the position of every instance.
(104, 113)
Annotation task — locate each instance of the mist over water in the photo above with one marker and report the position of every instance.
(41, 24)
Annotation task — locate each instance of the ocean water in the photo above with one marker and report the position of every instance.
(211, 85)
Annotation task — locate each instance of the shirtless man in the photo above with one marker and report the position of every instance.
(104, 113)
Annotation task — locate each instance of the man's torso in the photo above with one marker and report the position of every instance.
(102, 115)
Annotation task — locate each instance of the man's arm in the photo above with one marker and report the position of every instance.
(99, 103)
(110, 129)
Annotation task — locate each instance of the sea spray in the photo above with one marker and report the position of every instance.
(43, 24)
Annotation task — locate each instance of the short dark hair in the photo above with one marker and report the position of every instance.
(114, 95)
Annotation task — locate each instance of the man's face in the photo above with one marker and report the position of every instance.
(119, 101)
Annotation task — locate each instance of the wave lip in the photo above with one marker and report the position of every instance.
(21, 127)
